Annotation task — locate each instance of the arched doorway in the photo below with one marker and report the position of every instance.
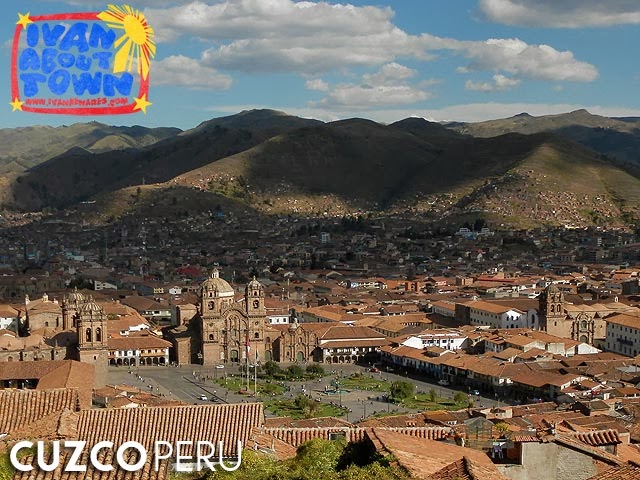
(234, 356)
(268, 356)
(584, 339)
(300, 357)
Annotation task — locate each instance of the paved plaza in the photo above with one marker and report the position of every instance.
(189, 382)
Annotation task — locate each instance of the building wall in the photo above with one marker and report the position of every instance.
(546, 461)
(623, 340)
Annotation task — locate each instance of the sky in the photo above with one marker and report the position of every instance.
(443, 60)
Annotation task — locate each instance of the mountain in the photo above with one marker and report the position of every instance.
(618, 138)
(268, 162)
(26, 147)
(78, 174)
(358, 165)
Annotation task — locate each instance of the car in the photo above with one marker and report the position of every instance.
(219, 366)
(374, 370)
(443, 382)
(475, 392)
(204, 398)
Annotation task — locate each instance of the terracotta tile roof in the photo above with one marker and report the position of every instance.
(320, 422)
(491, 307)
(464, 469)
(625, 320)
(19, 408)
(31, 370)
(624, 472)
(371, 342)
(136, 342)
(266, 443)
(297, 436)
(424, 459)
(227, 423)
(598, 438)
(346, 332)
(71, 374)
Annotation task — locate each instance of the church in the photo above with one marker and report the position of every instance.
(230, 330)
(581, 322)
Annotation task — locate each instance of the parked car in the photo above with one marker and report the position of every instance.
(443, 382)
(475, 392)
(219, 366)
(374, 370)
(204, 398)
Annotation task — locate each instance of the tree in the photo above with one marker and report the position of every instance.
(271, 368)
(432, 395)
(315, 369)
(501, 428)
(401, 390)
(460, 398)
(294, 371)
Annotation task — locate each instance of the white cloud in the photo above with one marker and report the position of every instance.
(188, 72)
(317, 85)
(562, 13)
(283, 35)
(516, 57)
(312, 38)
(364, 96)
(500, 84)
(388, 86)
(389, 74)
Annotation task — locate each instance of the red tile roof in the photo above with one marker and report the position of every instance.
(19, 408)
(227, 423)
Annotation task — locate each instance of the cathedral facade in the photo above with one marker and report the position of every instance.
(230, 330)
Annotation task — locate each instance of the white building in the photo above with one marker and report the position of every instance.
(501, 316)
(443, 338)
(9, 317)
(623, 334)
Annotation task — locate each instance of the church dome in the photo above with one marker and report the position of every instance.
(75, 297)
(219, 287)
(90, 309)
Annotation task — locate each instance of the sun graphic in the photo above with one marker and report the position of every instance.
(137, 41)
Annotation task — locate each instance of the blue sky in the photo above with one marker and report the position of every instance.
(465, 60)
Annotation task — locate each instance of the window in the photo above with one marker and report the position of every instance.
(88, 335)
(98, 334)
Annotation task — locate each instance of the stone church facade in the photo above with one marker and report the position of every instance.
(583, 323)
(230, 330)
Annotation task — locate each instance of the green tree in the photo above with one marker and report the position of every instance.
(6, 469)
(271, 368)
(401, 390)
(294, 371)
(315, 369)
(460, 398)
(501, 428)
(432, 395)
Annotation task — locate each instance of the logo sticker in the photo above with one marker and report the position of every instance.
(95, 63)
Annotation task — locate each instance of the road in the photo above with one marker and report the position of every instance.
(189, 382)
